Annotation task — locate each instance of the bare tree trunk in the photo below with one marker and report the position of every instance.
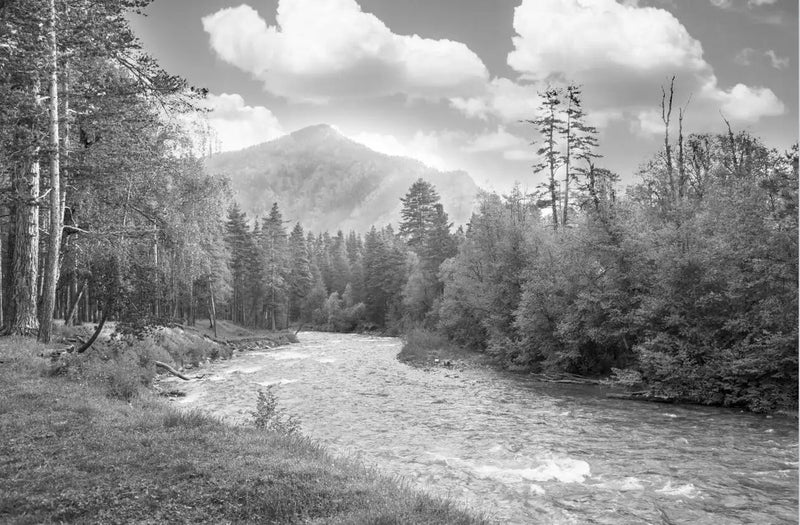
(666, 113)
(56, 213)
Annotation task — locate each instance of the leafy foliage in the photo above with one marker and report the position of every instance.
(267, 416)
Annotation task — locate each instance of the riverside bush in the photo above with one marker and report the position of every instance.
(267, 415)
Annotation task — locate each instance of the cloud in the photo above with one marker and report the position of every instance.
(504, 98)
(499, 140)
(746, 104)
(745, 56)
(423, 147)
(622, 55)
(324, 49)
(722, 4)
(776, 61)
(237, 125)
(760, 2)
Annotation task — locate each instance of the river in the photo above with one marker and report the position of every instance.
(516, 450)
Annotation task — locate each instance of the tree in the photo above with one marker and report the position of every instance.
(548, 125)
(276, 265)
(300, 277)
(579, 140)
(418, 214)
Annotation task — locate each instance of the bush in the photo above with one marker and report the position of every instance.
(267, 415)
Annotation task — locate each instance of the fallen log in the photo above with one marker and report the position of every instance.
(171, 370)
(88, 344)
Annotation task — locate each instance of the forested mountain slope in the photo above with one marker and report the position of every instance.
(323, 179)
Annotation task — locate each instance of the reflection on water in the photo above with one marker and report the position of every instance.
(520, 451)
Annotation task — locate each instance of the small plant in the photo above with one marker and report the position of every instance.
(267, 415)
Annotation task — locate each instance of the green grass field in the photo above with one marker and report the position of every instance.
(72, 450)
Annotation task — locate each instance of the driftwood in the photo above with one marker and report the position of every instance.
(575, 381)
(171, 370)
(298, 329)
(88, 344)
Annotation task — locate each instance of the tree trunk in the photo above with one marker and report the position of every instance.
(666, 113)
(88, 344)
(56, 213)
(213, 309)
(74, 306)
(25, 262)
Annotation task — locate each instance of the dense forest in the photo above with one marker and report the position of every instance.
(686, 283)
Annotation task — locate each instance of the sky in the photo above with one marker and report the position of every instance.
(451, 82)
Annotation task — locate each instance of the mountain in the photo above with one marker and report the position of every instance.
(326, 181)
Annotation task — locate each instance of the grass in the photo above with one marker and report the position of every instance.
(72, 451)
(426, 349)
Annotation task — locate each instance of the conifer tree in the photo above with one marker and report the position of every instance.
(276, 265)
(579, 141)
(418, 213)
(300, 277)
(548, 125)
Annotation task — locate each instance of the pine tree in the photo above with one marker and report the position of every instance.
(238, 241)
(300, 277)
(579, 140)
(418, 213)
(548, 125)
(276, 265)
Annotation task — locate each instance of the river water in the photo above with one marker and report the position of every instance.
(516, 450)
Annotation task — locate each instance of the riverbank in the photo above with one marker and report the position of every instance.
(428, 350)
(73, 449)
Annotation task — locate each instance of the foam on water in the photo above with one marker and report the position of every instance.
(283, 356)
(565, 470)
(276, 382)
(687, 490)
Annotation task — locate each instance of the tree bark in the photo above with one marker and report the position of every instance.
(56, 213)
(25, 262)
(213, 309)
(666, 113)
(74, 306)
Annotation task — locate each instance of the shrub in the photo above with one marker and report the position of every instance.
(267, 415)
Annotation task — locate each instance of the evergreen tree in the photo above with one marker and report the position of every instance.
(418, 214)
(276, 267)
(548, 125)
(579, 141)
(300, 277)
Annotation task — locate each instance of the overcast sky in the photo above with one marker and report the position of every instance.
(448, 81)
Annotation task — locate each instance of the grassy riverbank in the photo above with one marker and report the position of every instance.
(72, 451)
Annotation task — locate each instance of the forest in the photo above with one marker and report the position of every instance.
(685, 283)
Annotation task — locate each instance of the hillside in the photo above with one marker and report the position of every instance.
(328, 182)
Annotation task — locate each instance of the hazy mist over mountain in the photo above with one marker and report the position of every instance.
(326, 181)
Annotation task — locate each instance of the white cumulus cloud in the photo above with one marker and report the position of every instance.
(621, 54)
(236, 125)
(324, 49)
